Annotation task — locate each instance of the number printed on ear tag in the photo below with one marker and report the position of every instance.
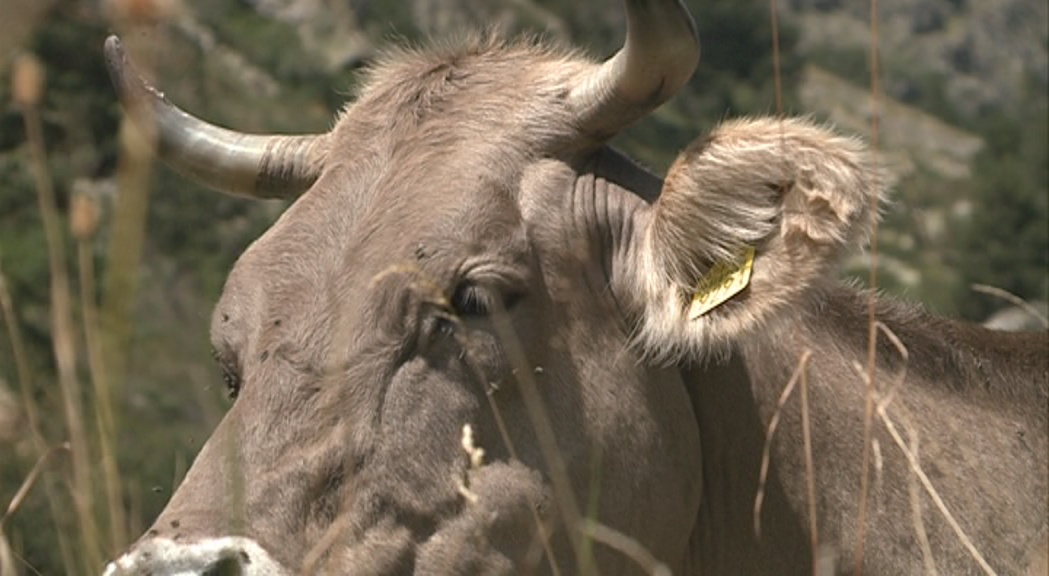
(723, 281)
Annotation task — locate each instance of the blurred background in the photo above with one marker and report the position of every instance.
(110, 266)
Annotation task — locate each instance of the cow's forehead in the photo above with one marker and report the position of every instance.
(443, 218)
(431, 155)
(485, 101)
(337, 232)
(451, 207)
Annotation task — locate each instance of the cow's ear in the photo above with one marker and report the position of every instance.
(751, 223)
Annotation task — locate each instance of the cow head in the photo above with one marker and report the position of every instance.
(466, 267)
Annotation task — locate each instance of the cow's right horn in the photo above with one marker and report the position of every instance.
(257, 166)
(659, 56)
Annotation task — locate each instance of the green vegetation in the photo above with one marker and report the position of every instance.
(735, 77)
(1005, 243)
(1001, 238)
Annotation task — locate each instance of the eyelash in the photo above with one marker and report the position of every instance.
(471, 301)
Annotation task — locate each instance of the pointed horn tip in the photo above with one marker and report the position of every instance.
(659, 56)
(131, 88)
(113, 45)
(116, 59)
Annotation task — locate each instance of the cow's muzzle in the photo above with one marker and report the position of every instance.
(228, 556)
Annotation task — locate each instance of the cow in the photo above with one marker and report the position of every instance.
(482, 341)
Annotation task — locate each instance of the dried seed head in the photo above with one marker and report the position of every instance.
(83, 216)
(27, 80)
(141, 11)
(475, 453)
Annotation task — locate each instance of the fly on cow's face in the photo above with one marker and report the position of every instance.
(232, 380)
(230, 373)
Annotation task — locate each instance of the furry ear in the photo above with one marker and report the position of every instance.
(794, 192)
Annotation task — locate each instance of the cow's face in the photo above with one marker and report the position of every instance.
(402, 299)
(468, 270)
(447, 276)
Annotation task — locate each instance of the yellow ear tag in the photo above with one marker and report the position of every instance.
(723, 281)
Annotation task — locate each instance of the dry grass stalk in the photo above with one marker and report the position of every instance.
(7, 566)
(10, 414)
(766, 457)
(339, 531)
(883, 400)
(810, 469)
(810, 475)
(914, 491)
(777, 76)
(25, 380)
(7, 561)
(912, 485)
(25, 383)
(529, 390)
(543, 533)
(84, 224)
(1012, 299)
(872, 331)
(63, 337)
(29, 482)
(930, 490)
(626, 545)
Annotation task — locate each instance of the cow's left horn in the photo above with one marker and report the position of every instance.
(257, 166)
(660, 53)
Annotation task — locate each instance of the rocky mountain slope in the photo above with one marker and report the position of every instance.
(986, 51)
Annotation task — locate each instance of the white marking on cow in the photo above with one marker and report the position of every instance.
(164, 557)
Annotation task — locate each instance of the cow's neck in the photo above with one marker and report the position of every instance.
(951, 357)
(732, 436)
(734, 398)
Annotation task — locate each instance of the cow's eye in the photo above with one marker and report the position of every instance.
(473, 301)
(470, 301)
